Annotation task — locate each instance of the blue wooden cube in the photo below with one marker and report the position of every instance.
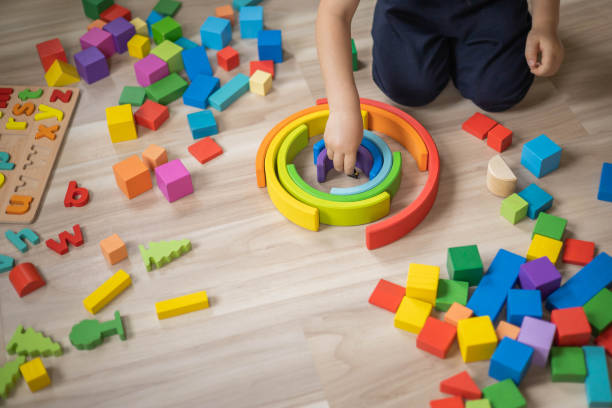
(239, 4)
(153, 18)
(521, 303)
(186, 43)
(216, 33)
(510, 360)
(605, 183)
(541, 156)
(251, 21)
(196, 62)
(538, 200)
(202, 124)
(199, 90)
(270, 45)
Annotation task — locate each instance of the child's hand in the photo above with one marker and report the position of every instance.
(543, 51)
(343, 135)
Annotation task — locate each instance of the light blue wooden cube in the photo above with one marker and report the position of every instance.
(541, 156)
(202, 124)
(251, 21)
(216, 33)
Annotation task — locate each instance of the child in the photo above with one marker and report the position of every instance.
(489, 48)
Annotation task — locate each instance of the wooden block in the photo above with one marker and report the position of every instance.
(540, 274)
(166, 29)
(479, 125)
(91, 65)
(115, 11)
(167, 7)
(49, 51)
(216, 33)
(387, 295)
(510, 360)
(436, 337)
(196, 63)
(93, 8)
(150, 69)
(113, 248)
(461, 385)
(181, 305)
(35, 374)
(521, 303)
(228, 58)
(543, 246)
(456, 313)
(151, 115)
(174, 180)
(464, 264)
(266, 66)
(501, 181)
(504, 394)
(139, 46)
(270, 45)
(567, 364)
(9, 374)
(170, 53)
(597, 379)
(499, 138)
(61, 73)
(354, 58)
(605, 340)
(505, 329)
(199, 90)
(25, 279)
(514, 208)
(122, 31)
(411, 315)
(100, 39)
(477, 338)
(449, 292)
(205, 150)
(550, 226)
(573, 328)
(202, 124)
(154, 156)
(605, 183)
(541, 156)
(251, 21)
(479, 403)
(120, 121)
(538, 334)
(228, 93)
(260, 83)
(451, 402)
(167, 89)
(132, 176)
(107, 291)
(132, 95)
(422, 282)
(96, 24)
(161, 253)
(598, 310)
(140, 26)
(226, 12)
(578, 252)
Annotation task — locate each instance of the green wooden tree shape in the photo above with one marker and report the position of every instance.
(9, 373)
(33, 344)
(89, 334)
(163, 252)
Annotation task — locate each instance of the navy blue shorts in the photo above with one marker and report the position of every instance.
(480, 44)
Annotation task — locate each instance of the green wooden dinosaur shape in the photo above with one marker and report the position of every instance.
(33, 344)
(9, 374)
(163, 252)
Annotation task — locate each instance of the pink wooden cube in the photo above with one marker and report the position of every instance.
(174, 180)
(100, 39)
(150, 69)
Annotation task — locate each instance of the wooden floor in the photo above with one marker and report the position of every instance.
(289, 323)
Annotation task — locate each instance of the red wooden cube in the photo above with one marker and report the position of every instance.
(387, 295)
(436, 337)
(450, 402)
(499, 138)
(478, 125)
(228, 58)
(151, 115)
(266, 66)
(205, 150)
(573, 328)
(578, 252)
(49, 51)
(114, 12)
(605, 340)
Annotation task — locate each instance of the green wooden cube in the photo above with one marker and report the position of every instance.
(550, 226)
(167, 7)
(464, 264)
(504, 394)
(171, 54)
(134, 95)
(166, 29)
(354, 54)
(514, 208)
(93, 8)
(167, 89)
(567, 364)
(599, 310)
(450, 291)
(479, 403)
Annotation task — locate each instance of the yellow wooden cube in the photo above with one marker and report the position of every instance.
(412, 314)
(140, 26)
(422, 282)
(181, 305)
(477, 338)
(61, 73)
(544, 246)
(260, 82)
(139, 46)
(35, 374)
(120, 121)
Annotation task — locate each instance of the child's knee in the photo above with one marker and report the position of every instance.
(411, 89)
(496, 96)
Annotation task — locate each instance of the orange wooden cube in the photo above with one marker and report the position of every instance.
(457, 312)
(154, 156)
(226, 12)
(96, 23)
(505, 329)
(114, 249)
(132, 176)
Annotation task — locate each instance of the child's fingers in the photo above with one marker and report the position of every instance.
(532, 49)
(549, 65)
(349, 163)
(338, 161)
(330, 154)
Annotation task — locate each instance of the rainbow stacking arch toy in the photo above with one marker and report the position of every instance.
(307, 207)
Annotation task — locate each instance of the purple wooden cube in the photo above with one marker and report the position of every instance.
(99, 39)
(174, 180)
(122, 31)
(91, 64)
(324, 165)
(150, 69)
(538, 334)
(540, 274)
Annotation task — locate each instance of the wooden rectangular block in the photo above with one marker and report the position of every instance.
(181, 305)
(598, 379)
(228, 93)
(107, 291)
(113, 248)
(205, 150)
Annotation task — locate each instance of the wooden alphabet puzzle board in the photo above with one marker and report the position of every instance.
(33, 123)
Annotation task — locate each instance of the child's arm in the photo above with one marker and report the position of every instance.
(344, 129)
(542, 40)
